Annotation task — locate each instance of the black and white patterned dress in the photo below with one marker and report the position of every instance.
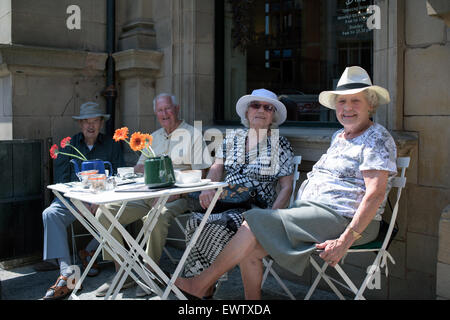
(260, 168)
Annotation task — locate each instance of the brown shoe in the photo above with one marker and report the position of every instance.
(85, 257)
(56, 292)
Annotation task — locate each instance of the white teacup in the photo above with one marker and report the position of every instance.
(121, 172)
(188, 176)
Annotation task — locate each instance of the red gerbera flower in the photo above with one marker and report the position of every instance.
(54, 151)
(65, 142)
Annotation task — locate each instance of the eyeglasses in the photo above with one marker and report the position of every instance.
(267, 107)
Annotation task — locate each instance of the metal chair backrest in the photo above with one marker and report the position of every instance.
(398, 182)
(297, 160)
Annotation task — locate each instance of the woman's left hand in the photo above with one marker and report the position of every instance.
(333, 251)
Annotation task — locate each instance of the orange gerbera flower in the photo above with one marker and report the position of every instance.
(120, 134)
(137, 141)
(148, 138)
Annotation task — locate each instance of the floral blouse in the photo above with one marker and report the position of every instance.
(261, 167)
(336, 179)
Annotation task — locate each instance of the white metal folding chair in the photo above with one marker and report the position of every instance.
(179, 227)
(378, 246)
(74, 242)
(268, 262)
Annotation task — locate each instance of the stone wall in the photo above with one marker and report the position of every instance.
(427, 112)
(443, 264)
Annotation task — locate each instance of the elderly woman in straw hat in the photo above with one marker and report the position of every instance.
(255, 157)
(339, 205)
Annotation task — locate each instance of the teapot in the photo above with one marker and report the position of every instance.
(95, 164)
(159, 172)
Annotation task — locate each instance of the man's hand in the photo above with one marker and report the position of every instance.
(139, 168)
(91, 207)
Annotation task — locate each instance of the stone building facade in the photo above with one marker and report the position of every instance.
(47, 70)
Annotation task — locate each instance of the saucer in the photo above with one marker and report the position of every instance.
(194, 184)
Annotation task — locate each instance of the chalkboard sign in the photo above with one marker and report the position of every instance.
(352, 16)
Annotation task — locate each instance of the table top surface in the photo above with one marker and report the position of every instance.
(119, 194)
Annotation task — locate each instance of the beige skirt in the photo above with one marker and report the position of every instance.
(289, 235)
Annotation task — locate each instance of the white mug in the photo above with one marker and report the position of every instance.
(188, 176)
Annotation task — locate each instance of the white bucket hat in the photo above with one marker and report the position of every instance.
(91, 110)
(266, 96)
(353, 80)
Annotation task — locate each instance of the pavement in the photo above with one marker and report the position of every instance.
(24, 283)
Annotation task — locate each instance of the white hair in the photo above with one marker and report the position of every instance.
(372, 99)
(173, 99)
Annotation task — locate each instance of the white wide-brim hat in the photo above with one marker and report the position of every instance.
(353, 80)
(266, 96)
(90, 110)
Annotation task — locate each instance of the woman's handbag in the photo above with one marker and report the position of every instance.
(235, 196)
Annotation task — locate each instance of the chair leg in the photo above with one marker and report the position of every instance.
(349, 282)
(322, 274)
(269, 268)
(74, 245)
(171, 258)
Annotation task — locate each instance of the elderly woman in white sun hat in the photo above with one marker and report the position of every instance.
(255, 157)
(337, 206)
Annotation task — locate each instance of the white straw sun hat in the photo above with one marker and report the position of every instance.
(266, 96)
(353, 80)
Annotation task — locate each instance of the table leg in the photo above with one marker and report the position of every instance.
(171, 283)
(90, 227)
(112, 245)
(137, 248)
(149, 224)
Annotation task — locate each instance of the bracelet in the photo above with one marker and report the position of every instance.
(355, 234)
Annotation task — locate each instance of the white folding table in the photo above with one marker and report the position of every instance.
(130, 258)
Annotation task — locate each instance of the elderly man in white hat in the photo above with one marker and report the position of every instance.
(339, 205)
(56, 218)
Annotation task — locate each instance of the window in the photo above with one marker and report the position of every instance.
(295, 48)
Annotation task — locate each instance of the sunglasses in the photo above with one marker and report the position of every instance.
(267, 107)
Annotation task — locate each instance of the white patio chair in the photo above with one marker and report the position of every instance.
(268, 262)
(378, 246)
(74, 237)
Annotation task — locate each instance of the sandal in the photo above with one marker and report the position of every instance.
(59, 292)
(85, 257)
